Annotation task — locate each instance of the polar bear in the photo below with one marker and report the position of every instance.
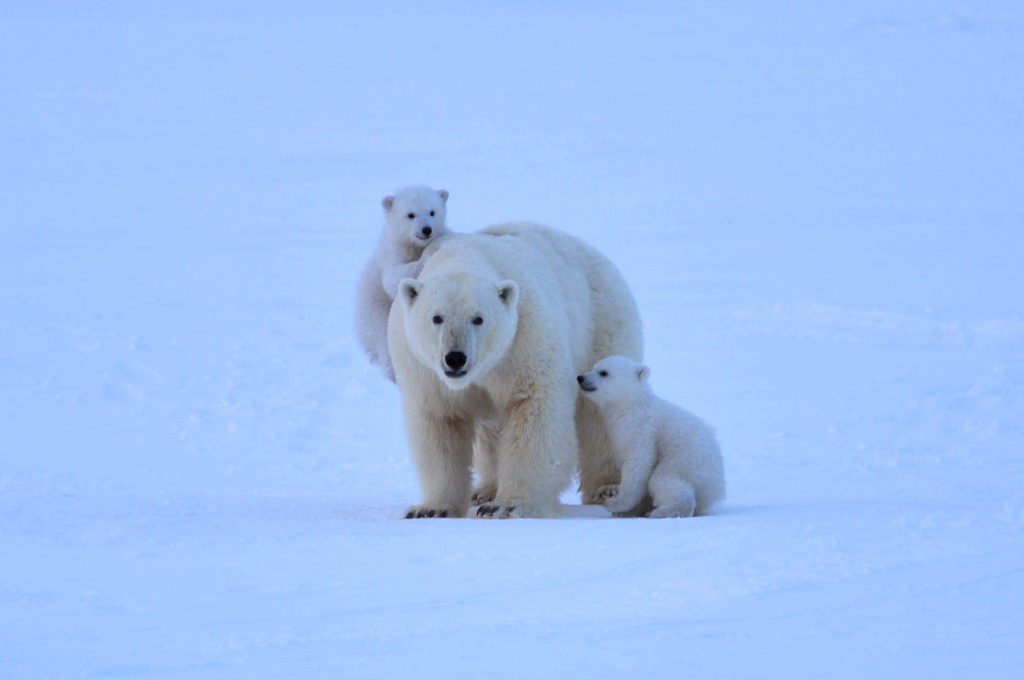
(663, 450)
(414, 217)
(486, 345)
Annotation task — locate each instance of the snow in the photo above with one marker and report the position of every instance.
(817, 206)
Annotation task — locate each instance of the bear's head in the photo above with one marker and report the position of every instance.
(614, 378)
(459, 325)
(416, 215)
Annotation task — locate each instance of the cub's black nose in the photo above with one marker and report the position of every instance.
(427, 231)
(455, 360)
(580, 379)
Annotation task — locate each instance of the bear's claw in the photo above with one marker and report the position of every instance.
(496, 511)
(601, 494)
(484, 495)
(421, 513)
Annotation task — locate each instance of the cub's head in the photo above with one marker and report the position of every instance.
(415, 215)
(459, 325)
(613, 378)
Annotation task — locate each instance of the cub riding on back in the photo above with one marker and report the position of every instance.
(414, 218)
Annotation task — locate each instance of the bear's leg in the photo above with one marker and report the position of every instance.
(485, 461)
(673, 495)
(599, 474)
(442, 451)
(638, 461)
(382, 357)
(536, 454)
(372, 314)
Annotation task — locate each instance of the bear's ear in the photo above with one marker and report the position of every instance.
(643, 373)
(508, 292)
(444, 195)
(408, 291)
(387, 202)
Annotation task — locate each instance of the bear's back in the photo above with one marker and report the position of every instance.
(615, 318)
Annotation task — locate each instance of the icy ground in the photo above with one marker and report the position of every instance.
(818, 206)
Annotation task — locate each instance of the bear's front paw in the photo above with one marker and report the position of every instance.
(490, 511)
(601, 494)
(422, 511)
(485, 493)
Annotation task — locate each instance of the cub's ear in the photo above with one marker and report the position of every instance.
(443, 194)
(508, 292)
(643, 373)
(387, 202)
(408, 291)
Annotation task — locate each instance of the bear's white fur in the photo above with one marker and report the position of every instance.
(663, 450)
(414, 217)
(486, 346)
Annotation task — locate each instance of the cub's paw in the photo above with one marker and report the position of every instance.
(422, 512)
(601, 494)
(620, 507)
(497, 511)
(673, 510)
(485, 493)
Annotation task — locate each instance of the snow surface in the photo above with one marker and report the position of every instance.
(818, 206)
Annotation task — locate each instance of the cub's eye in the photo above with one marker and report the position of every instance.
(478, 321)
(438, 319)
(411, 216)
(603, 374)
(431, 213)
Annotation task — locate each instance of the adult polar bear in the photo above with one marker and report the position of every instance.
(486, 345)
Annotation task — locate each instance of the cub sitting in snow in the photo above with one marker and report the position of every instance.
(663, 451)
(414, 217)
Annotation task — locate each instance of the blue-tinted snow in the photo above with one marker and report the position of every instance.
(817, 205)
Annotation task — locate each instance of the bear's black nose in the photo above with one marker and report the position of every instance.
(455, 360)
(427, 231)
(580, 379)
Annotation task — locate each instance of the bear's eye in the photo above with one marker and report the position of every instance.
(603, 374)
(438, 319)
(431, 213)
(411, 216)
(478, 321)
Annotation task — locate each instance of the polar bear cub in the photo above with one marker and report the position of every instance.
(414, 217)
(663, 450)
